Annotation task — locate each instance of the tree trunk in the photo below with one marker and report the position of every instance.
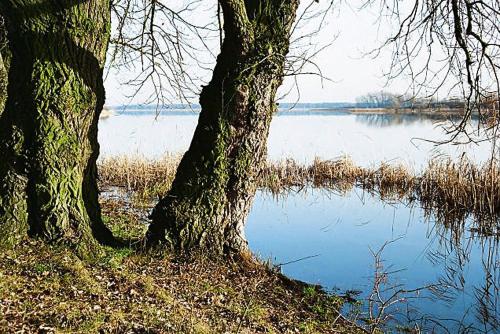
(3, 65)
(216, 181)
(3, 84)
(48, 130)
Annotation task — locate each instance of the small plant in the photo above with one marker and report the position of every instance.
(388, 302)
(41, 268)
(310, 291)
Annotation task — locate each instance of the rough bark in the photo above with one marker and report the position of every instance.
(48, 130)
(3, 83)
(215, 183)
(3, 65)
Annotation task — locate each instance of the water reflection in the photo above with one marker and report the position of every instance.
(452, 254)
(302, 136)
(458, 266)
(455, 256)
(403, 119)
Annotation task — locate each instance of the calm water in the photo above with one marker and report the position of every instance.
(337, 234)
(340, 233)
(368, 139)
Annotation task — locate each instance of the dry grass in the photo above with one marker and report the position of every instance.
(455, 189)
(452, 189)
(147, 176)
(47, 289)
(339, 175)
(476, 188)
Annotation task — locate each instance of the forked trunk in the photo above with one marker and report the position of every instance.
(48, 130)
(216, 181)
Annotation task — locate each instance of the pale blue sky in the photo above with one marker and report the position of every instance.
(343, 62)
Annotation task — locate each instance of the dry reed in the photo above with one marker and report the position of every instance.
(453, 189)
(147, 177)
(460, 188)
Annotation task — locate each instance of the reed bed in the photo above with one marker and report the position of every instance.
(148, 177)
(451, 189)
(460, 188)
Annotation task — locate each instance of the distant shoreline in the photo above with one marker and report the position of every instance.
(406, 111)
(298, 110)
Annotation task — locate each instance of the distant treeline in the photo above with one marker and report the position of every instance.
(384, 100)
(197, 107)
(401, 101)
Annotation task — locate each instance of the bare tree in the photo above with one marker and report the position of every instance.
(216, 181)
(447, 44)
(172, 47)
(382, 99)
(214, 187)
(165, 47)
(213, 190)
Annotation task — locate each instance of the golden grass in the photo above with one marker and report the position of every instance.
(48, 289)
(458, 188)
(149, 177)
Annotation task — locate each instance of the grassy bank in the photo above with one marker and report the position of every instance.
(47, 289)
(450, 190)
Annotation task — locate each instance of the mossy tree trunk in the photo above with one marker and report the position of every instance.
(3, 83)
(4, 58)
(48, 130)
(216, 181)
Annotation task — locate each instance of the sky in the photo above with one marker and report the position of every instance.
(349, 71)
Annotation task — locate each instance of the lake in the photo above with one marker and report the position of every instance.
(300, 135)
(333, 239)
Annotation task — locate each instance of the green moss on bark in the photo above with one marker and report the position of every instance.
(49, 127)
(3, 84)
(216, 181)
(4, 64)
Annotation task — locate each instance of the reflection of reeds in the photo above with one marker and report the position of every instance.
(338, 175)
(461, 188)
(449, 189)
